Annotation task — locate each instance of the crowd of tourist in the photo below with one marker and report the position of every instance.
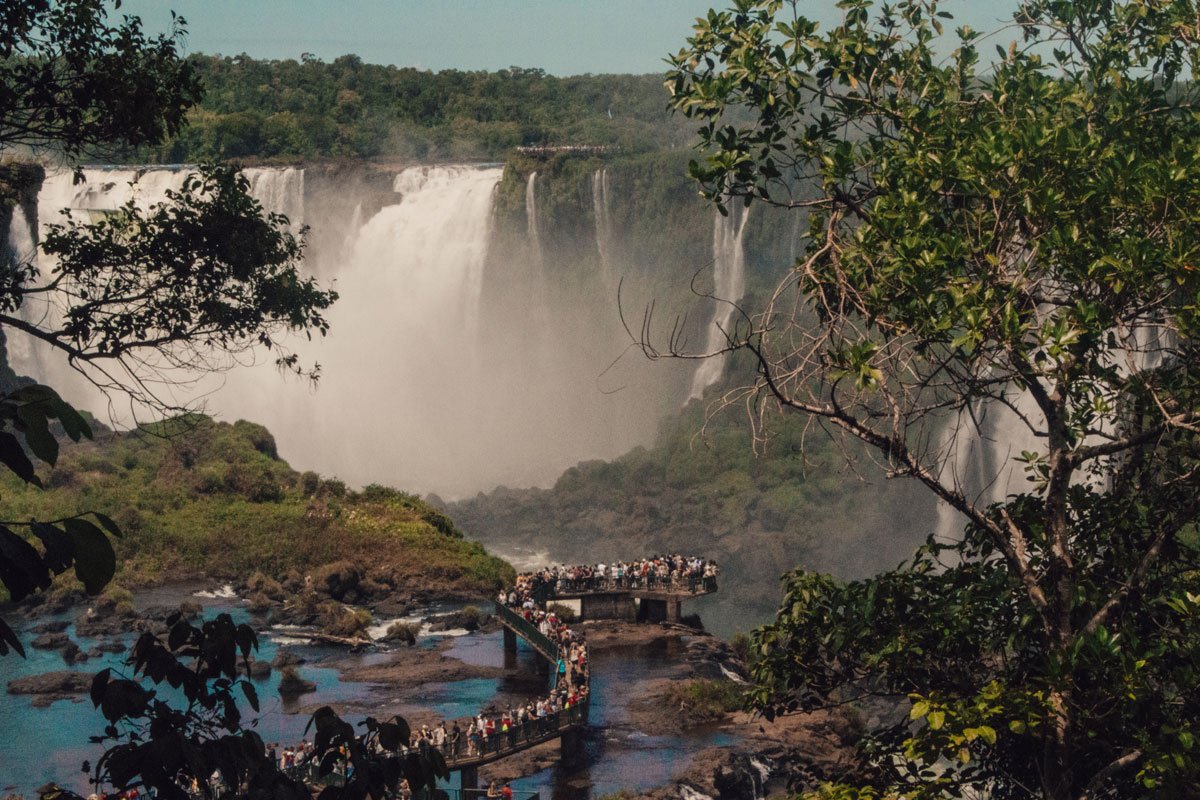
(671, 572)
(490, 731)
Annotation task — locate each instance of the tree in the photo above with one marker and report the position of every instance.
(189, 283)
(1014, 236)
(74, 84)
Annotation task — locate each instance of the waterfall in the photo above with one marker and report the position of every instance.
(20, 245)
(600, 210)
(978, 446)
(281, 191)
(19, 249)
(451, 365)
(531, 216)
(399, 390)
(729, 282)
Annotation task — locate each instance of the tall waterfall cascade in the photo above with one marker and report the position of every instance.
(20, 249)
(450, 366)
(602, 213)
(729, 283)
(531, 216)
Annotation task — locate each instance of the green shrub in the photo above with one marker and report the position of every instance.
(403, 632)
(700, 701)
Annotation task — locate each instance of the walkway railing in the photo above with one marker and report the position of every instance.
(518, 737)
(693, 584)
(528, 631)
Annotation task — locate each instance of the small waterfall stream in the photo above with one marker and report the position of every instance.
(601, 209)
(729, 283)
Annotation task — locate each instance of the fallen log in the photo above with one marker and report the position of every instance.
(329, 638)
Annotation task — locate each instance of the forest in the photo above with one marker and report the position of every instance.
(263, 111)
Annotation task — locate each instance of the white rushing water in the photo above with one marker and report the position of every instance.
(531, 217)
(102, 191)
(445, 370)
(280, 191)
(729, 283)
(601, 210)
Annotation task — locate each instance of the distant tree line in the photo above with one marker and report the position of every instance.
(309, 109)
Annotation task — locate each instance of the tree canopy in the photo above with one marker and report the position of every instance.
(1010, 235)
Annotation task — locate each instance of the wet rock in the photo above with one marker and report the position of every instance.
(72, 654)
(469, 618)
(111, 646)
(292, 685)
(401, 633)
(95, 622)
(52, 626)
(51, 641)
(286, 658)
(714, 659)
(63, 683)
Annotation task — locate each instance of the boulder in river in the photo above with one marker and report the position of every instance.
(50, 686)
(286, 658)
(72, 654)
(51, 641)
(292, 685)
(52, 626)
(258, 669)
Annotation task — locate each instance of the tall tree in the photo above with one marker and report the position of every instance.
(1017, 235)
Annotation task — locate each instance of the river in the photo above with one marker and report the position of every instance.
(51, 744)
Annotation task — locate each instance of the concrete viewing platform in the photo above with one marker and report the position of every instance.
(638, 600)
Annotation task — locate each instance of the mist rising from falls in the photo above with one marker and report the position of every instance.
(399, 386)
(452, 365)
(729, 283)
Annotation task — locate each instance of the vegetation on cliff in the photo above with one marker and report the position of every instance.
(702, 486)
(196, 497)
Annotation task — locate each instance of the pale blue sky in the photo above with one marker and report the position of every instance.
(564, 37)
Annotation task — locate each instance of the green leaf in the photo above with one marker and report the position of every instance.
(12, 455)
(107, 523)
(95, 561)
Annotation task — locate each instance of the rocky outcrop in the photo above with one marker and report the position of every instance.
(286, 658)
(48, 687)
(292, 685)
(50, 641)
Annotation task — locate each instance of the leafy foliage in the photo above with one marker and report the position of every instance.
(72, 541)
(1019, 237)
(204, 274)
(73, 82)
